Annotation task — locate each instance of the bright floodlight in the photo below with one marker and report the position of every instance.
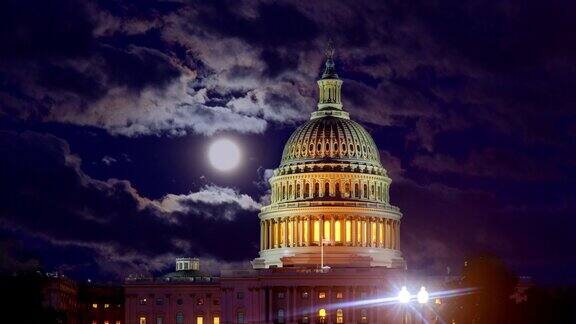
(422, 295)
(224, 154)
(404, 295)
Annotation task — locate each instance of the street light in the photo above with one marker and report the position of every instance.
(422, 295)
(404, 295)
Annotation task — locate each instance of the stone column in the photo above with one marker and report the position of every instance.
(398, 234)
(377, 243)
(286, 221)
(333, 229)
(321, 228)
(369, 232)
(261, 235)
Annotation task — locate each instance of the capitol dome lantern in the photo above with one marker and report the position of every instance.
(330, 194)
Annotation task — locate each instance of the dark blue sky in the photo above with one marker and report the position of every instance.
(107, 109)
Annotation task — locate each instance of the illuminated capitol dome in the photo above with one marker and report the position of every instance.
(332, 190)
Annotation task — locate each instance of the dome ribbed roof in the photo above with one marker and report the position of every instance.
(330, 139)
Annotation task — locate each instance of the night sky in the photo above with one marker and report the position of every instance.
(107, 109)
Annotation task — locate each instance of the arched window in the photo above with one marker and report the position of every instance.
(179, 318)
(240, 317)
(298, 194)
(365, 191)
(280, 318)
(372, 190)
(289, 191)
(316, 189)
(347, 189)
(283, 192)
(326, 189)
(364, 315)
(306, 190)
(322, 315)
(337, 231)
(337, 193)
(339, 316)
(356, 190)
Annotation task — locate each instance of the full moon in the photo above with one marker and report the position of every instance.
(224, 154)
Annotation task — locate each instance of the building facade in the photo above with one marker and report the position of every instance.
(329, 239)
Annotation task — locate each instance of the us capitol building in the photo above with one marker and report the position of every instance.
(329, 240)
(331, 189)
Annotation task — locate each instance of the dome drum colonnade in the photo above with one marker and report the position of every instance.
(330, 189)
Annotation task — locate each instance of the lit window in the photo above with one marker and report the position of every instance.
(106, 305)
(280, 316)
(199, 319)
(317, 231)
(337, 231)
(364, 315)
(327, 230)
(106, 322)
(118, 322)
(339, 316)
(216, 320)
(240, 317)
(200, 301)
(159, 320)
(339, 295)
(142, 320)
(322, 295)
(94, 322)
(306, 235)
(305, 319)
(305, 295)
(94, 305)
(348, 231)
(143, 301)
(322, 314)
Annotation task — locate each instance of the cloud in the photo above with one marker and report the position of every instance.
(48, 198)
(108, 160)
(211, 195)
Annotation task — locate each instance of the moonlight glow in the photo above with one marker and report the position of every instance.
(224, 154)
